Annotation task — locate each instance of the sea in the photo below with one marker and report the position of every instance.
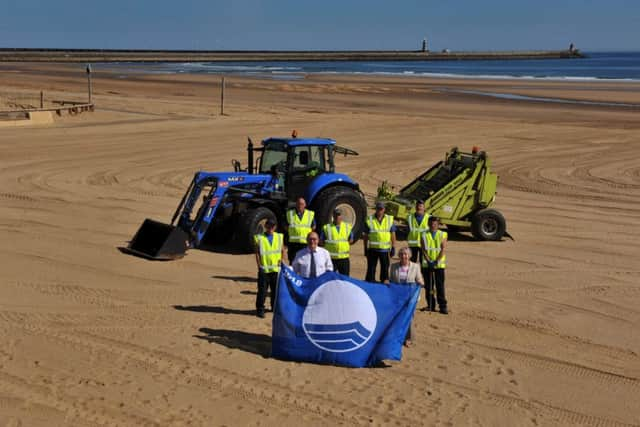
(609, 66)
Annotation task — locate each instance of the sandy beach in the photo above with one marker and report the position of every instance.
(542, 331)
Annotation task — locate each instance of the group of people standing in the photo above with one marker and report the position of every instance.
(310, 253)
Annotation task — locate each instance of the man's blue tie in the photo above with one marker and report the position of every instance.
(312, 270)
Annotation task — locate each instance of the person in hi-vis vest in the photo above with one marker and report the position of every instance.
(337, 238)
(379, 241)
(418, 224)
(300, 222)
(434, 262)
(269, 255)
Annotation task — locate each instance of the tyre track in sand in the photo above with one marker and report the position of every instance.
(537, 327)
(600, 376)
(563, 416)
(236, 384)
(75, 410)
(71, 292)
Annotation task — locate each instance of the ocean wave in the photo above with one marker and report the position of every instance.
(609, 67)
(230, 68)
(478, 76)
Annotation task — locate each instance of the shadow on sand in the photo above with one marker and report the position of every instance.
(458, 236)
(213, 309)
(243, 279)
(222, 248)
(259, 344)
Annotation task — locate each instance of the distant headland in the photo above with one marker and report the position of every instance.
(131, 55)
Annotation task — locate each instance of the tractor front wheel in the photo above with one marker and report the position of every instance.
(250, 223)
(488, 224)
(349, 201)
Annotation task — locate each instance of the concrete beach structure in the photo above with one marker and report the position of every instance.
(99, 55)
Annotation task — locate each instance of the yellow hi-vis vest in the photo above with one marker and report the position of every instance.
(380, 232)
(299, 227)
(416, 230)
(432, 247)
(337, 242)
(270, 253)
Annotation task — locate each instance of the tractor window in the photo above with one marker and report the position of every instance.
(309, 157)
(273, 154)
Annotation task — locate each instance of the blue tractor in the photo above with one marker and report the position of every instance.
(232, 207)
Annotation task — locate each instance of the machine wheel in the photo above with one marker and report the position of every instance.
(348, 200)
(251, 223)
(488, 224)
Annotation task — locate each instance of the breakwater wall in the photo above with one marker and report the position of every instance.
(98, 55)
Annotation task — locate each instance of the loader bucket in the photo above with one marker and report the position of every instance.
(155, 240)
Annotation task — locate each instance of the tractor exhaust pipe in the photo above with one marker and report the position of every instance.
(250, 156)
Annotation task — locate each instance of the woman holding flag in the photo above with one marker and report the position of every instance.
(406, 271)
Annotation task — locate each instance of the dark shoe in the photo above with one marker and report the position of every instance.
(432, 309)
(444, 311)
(260, 313)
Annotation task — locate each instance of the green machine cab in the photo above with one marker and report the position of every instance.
(460, 190)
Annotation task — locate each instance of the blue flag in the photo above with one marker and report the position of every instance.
(339, 320)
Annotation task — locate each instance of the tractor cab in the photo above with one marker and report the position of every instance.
(294, 163)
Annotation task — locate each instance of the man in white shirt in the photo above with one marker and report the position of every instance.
(313, 260)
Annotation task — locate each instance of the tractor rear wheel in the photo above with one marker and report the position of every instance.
(250, 223)
(348, 200)
(488, 224)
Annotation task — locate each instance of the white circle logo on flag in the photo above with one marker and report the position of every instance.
(339, 317)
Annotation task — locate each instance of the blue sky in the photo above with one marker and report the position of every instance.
(326, 24)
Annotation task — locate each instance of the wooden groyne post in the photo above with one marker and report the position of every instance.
(89, 86)
(222, 85)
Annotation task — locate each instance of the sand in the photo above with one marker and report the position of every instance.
(543, 330)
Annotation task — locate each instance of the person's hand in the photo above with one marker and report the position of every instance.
(393, 251)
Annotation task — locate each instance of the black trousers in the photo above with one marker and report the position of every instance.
(415, 254)
(266, 284)
(342, 265)
(434, 277)
(373, 257)
(292, 250)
